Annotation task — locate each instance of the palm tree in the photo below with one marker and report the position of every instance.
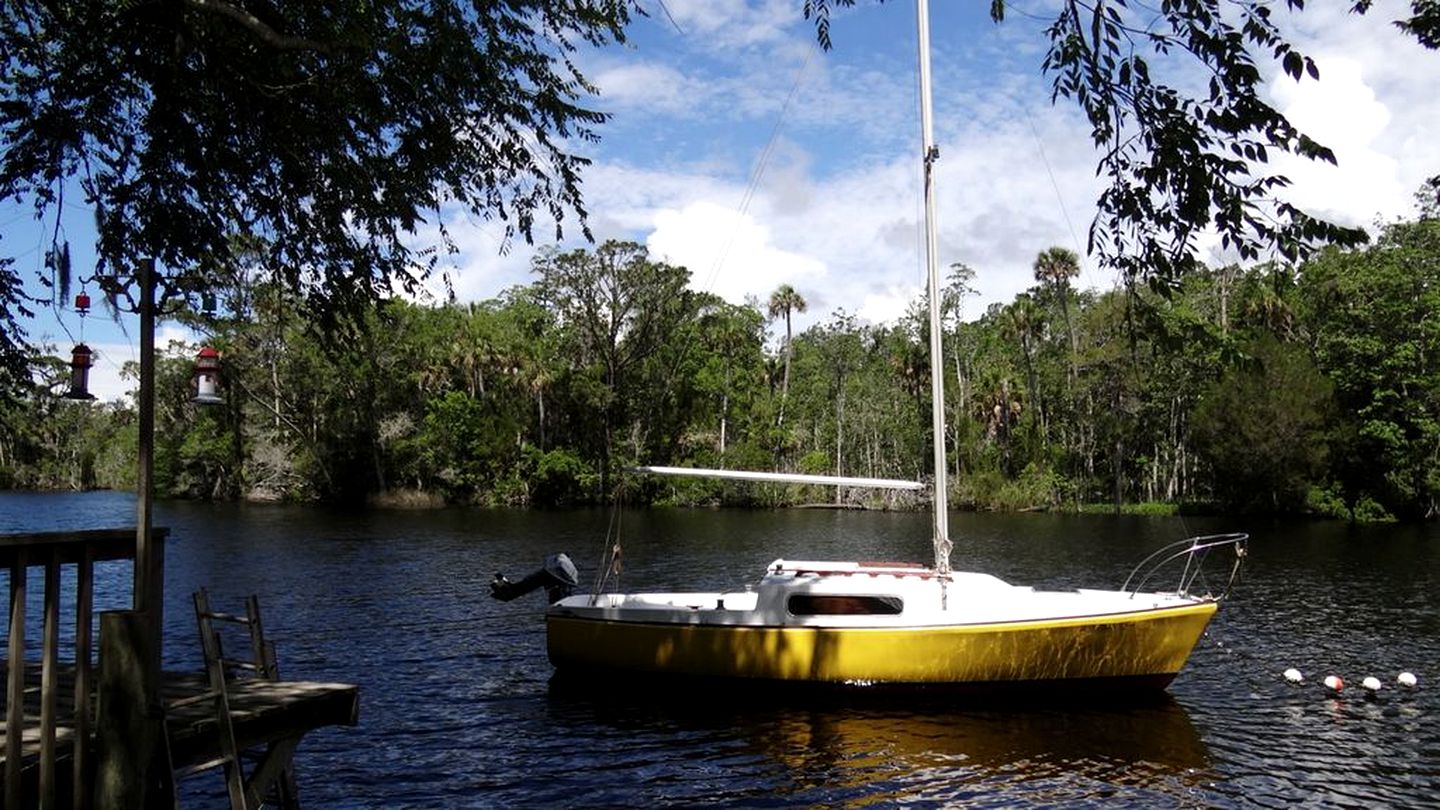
(1054, 268)
(1024, 323)
(784, 301)
(1268, 306)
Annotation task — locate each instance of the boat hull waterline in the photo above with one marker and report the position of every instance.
(1150, 646)
(1076, 636)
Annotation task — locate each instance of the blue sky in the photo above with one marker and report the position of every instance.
(741, 151)
(836, 209)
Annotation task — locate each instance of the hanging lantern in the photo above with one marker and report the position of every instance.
(207, 378)
(80, 362)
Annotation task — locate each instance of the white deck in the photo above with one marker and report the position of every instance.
(927, 601)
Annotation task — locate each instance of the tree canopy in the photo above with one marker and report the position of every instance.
(1177, 163)
(1282, 389)
(332, 133)
(328, 138)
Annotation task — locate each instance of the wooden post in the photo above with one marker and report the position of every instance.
(130, 767)
(49, 679)
(147, 584)
(15, 708)
(84, 604)
(274, 770)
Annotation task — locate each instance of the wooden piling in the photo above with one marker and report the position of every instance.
(15, 689)
(130, 724)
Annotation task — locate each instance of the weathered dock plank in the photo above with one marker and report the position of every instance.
(263, 713)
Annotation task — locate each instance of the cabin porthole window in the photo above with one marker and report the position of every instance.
(844, 605)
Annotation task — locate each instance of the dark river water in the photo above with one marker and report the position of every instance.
(458, 708)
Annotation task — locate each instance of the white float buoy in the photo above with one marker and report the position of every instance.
(1371, 683)
(1293, 675)
(1407, 680)
(1334, 683)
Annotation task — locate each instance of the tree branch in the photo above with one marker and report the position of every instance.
(257, 26)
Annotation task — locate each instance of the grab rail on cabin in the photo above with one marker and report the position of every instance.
(1190, 555)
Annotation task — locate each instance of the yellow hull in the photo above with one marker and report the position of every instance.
(1149, 646)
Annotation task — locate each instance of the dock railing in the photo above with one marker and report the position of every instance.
(24, 733)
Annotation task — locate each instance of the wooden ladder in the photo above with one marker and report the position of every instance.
(220, 670)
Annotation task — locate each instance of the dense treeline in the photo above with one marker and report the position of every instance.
(1266, 388)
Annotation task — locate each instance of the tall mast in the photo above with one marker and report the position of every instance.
(928, 155)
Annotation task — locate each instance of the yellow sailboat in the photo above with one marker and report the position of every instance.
(886, 623)
(891, 623)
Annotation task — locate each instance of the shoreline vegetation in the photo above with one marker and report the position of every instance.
(413, 500)
(1311, 389)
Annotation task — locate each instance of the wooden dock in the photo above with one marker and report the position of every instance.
(264, 713)
(72, 733)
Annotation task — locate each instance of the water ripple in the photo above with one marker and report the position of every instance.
(459, 709)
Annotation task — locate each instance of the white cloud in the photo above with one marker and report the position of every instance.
(728, 253)
(625, 202)
(479, 269)
(1375, 105)
(649, 86)
(624, 197)
(1342, 112)
(105, 381)
(888, 304)
(727, 24)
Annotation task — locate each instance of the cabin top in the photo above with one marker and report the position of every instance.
(830, 567)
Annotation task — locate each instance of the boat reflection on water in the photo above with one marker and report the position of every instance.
(853, 743)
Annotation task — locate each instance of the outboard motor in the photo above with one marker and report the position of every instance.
(558, 576)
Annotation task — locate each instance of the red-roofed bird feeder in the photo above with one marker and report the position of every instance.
(207, 378)
(80, 363)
